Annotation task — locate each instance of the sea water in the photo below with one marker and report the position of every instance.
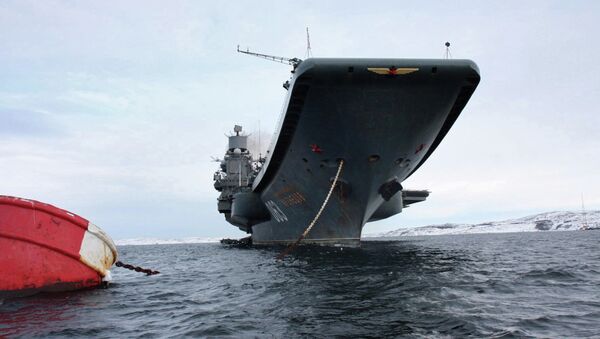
(544, 284)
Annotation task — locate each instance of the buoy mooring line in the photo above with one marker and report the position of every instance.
(136, 268)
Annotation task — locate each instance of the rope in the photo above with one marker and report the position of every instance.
(136, 268)
(314, 221)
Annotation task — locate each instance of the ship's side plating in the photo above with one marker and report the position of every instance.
(383, 117)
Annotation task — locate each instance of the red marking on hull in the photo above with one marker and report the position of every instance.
(315, 148)
(39, 248)
(419, 148)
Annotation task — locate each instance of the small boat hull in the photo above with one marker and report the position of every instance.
(45, 248)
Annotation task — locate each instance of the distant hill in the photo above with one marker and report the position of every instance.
(158, 241)
(543, 222)
(550, 221)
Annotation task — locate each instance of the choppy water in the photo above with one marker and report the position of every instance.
(499, 285)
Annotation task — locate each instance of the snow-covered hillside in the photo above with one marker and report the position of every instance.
(156, 241)
(550, 221)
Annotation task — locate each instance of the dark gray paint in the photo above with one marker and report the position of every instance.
(357, 115)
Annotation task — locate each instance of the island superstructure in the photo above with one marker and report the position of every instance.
(382, 117)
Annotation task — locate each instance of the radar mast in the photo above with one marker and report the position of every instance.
(308, 49)
(447, 55)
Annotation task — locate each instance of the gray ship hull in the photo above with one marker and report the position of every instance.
(383, 117)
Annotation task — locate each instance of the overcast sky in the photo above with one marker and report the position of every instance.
(113, 109)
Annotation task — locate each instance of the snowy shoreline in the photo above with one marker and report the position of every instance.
(157, 241)
(543, 222)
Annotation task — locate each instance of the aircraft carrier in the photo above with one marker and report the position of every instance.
(350, 132)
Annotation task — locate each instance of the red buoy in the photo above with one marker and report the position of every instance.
(45, 248)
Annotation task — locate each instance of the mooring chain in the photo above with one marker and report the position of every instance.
(314, 221)
(136, 268)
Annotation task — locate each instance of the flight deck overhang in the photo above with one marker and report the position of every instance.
(349, 71)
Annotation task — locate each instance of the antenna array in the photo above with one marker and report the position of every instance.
(290, 61)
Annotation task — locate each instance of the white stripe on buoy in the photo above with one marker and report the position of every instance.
(97, 251)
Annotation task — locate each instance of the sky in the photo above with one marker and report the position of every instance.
(113, 109)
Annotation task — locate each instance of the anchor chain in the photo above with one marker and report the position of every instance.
(314, 221)
(136, 268)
